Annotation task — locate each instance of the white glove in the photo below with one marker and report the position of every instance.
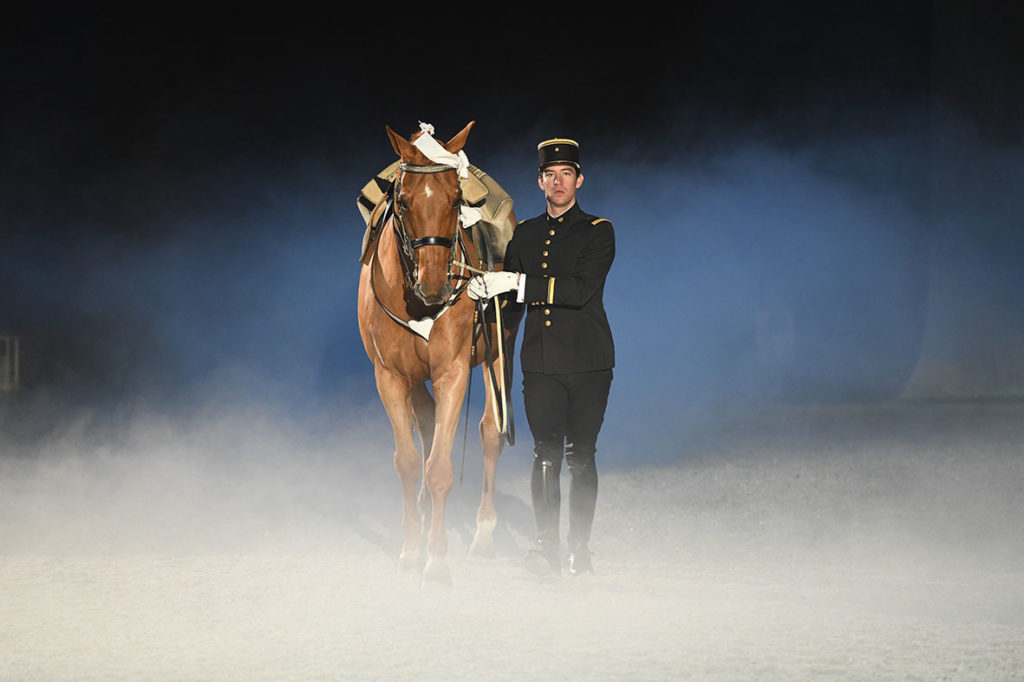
(490, 284)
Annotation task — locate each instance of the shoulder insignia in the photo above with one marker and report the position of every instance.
(598, 221)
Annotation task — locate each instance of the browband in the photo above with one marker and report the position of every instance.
(425, 168)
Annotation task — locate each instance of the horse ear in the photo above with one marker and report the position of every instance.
(401, 145)
(455, 145)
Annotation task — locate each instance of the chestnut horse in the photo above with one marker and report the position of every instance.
(417, 273)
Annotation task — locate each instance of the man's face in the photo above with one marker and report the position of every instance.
(559, 183)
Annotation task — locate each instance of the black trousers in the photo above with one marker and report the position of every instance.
(565, 413)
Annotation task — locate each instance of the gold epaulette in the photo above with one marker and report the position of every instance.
(599, 220)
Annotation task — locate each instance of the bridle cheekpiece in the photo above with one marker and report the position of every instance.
(410, 264)
(464, 218)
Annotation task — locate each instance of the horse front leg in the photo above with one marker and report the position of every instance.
(490, 439)
(449, 390)
(423, 410)
(395, 394)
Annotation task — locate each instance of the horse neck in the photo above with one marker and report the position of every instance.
(388, 278)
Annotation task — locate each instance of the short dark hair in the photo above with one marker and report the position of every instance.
(574, 167)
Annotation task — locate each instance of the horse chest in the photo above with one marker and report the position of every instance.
(401, 351)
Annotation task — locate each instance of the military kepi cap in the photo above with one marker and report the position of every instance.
(558, 150)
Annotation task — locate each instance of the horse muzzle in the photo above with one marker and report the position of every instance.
(431, 297)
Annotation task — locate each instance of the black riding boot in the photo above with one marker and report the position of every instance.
(547, 501)
(582, 502)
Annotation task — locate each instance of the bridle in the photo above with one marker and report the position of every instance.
(408, 246)
(400, 224)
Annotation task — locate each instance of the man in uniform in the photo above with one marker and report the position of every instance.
(556, 265)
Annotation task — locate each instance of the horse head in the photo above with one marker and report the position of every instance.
(427, 199)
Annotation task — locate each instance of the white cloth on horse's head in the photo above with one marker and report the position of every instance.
(434, 151)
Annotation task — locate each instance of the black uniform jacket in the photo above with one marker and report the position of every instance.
(566, 261)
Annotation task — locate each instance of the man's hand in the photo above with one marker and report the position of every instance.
(491, 284)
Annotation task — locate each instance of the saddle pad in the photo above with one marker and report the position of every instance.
(478, 189)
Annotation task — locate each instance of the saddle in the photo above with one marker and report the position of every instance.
(479, 190)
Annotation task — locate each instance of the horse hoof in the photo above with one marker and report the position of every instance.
(482, 550)
(436, 573)
(408, 563)
(483, 540)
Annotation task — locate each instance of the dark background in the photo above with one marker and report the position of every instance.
(812, 202)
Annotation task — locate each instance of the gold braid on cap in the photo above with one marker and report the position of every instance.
(558, 140)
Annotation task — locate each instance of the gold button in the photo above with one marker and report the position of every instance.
(547, 241)
(547, 323)
(551, 232)
(561, 219)
(547, 311)
(544, 253)
(543, 265)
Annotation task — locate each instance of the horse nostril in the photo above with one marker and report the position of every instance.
(432, 299)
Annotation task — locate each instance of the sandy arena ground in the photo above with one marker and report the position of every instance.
(826, 543)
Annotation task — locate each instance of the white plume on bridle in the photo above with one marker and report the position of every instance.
(434, 151)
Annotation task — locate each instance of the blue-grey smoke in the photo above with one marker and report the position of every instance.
(746, 271)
